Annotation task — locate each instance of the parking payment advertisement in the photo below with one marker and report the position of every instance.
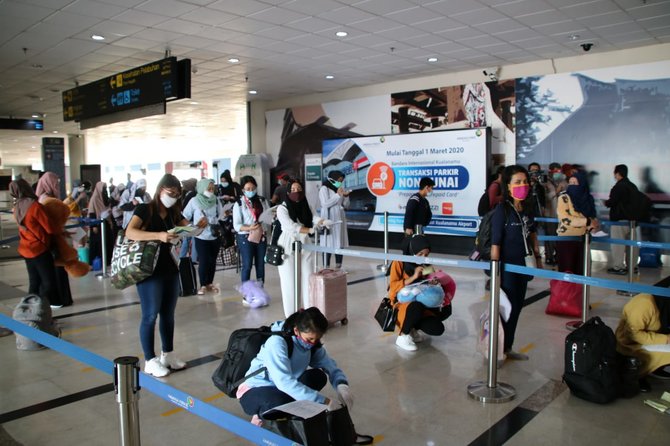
(382, 172)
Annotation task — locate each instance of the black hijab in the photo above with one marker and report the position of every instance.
(412, 246)
(333, 175)
(663, 305)
(300, 211)
(580, 195)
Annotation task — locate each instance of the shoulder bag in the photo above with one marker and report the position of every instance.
(274, 254)
(133, 261)
(386, 315)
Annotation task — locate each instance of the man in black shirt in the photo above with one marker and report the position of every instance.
(621, 194)
(417, 211)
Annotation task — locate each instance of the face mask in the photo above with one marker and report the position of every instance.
(250, 193)
(304, 343)
(296, 196)
(224, 184)
(208, 194)
(557, 176)
(168, 201)
(337, 184)
(520, 192)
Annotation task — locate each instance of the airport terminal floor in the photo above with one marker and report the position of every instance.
(401, 398)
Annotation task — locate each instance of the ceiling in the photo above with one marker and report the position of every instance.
(284, 47)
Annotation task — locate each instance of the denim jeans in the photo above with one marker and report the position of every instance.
(257, 400)
(250, 253)
(207, 252)
(158, 296)
(188, 245)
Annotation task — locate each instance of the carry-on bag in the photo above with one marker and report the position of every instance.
(565, 299)
(328, 292)
(188, 286)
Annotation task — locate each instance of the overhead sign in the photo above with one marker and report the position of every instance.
(149, 84)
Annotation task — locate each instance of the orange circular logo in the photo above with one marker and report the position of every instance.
(380, 179)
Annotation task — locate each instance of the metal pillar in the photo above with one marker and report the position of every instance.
(418, 229)
(586, 289)
(631, 263)
(491, 391)
(103, 241)
(297, 279)
(127, 388)
(385, 266)
(316, 256)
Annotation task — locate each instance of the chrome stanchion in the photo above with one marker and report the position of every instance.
(316, 256)
(586, 289)
(127, 390)
(297, 279)
(103, 241)
(384, 266)
(492, 391)
(418, 229)
(632, 262)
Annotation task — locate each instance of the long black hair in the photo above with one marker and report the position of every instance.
(299, 211)
(310, 320)
(156, 205)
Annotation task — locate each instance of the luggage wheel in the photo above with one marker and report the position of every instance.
(344, 321)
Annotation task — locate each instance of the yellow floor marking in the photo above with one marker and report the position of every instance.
(179, 409)
(595, 305)
(77, 330)
(527, 348)
(377, 439)
(87, 369)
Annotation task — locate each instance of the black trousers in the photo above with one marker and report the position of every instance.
(257, 400)
(417, 317)
(42, 277)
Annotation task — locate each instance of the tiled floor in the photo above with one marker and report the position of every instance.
(401, 398)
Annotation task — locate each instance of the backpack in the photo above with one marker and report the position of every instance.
(591, 370)
(484, 205)
(482, 249)
(636, 205)
(243, 346)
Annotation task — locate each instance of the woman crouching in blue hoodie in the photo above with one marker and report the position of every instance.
(294, 375)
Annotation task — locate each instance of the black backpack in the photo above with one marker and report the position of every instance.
(484, 205)
(591, 363)
(482, 249)
(243, 346)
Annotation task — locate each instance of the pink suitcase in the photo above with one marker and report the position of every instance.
(328, 292)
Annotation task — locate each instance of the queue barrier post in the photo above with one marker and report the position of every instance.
(297, 279)
(316, 257)
(127, 390)
(103, 241)
(384, 266)
(632, 262)
(492, 391)
(418, 229)
(586, 289)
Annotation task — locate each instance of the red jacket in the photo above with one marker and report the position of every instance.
(36, 239)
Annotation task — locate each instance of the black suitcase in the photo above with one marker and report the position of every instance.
(188, 285)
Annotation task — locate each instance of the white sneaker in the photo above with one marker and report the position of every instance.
(154, 367)
(202, 290)
(416, 336)
(170, 361)
(405, 342)
(245, 303)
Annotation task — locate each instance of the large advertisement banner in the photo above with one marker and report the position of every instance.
(382, 172)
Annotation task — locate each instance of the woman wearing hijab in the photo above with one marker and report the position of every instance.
(251, 239)
(131, 197)
(576, 215)
(229, 191)
(334, 199)
(35, 231)
(98, 208)
(645, 322)
(414, 316)
(297, 223)
(48, 188)
(158, 293)
(206, 205)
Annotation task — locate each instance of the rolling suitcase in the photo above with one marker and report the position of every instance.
(328, 292)
(188, 286)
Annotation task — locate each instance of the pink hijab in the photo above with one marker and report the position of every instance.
(48, 186)
(21, 191)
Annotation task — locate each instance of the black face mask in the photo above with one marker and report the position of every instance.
(296, 196)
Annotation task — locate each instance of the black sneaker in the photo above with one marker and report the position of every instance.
(617, 271)
(660, 373)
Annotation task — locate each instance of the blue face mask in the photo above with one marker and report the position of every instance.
(304, 344)
(224, 184)
(250, 193)
(337, 184)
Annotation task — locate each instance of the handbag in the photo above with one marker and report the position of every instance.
(255, 235)
(312, 431)
(216, 230)
(386, 315)
(132, 261)
(274, 253)
(341, 430)
(565, 298)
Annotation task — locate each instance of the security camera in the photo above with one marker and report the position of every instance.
(492, 73)
(587, 46)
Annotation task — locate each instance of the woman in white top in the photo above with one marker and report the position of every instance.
(251, 239)
(205, 204)
(297, 223)
(333, 199)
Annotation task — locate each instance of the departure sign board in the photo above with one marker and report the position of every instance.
(146, 85)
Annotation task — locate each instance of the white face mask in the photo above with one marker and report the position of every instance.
(168, 201)
(208, 194)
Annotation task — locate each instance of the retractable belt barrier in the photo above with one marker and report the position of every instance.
(83, 222)
(181, 399)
